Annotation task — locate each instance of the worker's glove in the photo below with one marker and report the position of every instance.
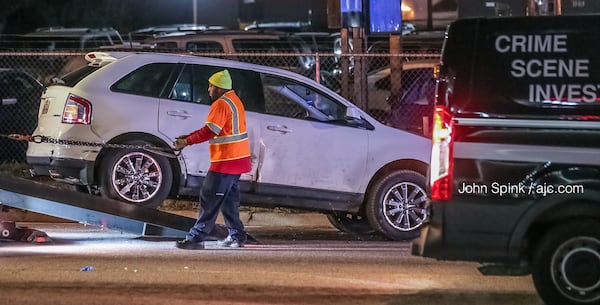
(180, 143)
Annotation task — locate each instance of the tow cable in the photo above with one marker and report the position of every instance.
(162, 151)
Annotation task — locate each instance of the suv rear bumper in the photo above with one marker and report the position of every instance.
(74, 171)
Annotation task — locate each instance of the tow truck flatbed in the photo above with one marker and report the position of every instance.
(38, 197)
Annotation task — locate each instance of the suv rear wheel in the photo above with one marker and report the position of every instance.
(396, 205)
(566, 265)
(136, 176)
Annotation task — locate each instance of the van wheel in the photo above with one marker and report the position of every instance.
(136, 176)
(396, 205)
(350, 223)
(566, 264)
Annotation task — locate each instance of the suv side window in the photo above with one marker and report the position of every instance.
(165, 45)
(147, 80)
(192, 86)
(290, 99)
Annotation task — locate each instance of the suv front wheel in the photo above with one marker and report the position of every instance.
(135, 176)
(396, 205)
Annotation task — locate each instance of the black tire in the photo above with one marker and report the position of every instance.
(80, 188)
(566, 264)
(396, 205)
(350, 223)
(136, 176)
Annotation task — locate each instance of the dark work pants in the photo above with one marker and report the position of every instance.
(219, 192)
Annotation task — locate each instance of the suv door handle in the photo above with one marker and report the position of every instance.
(178, 113)
(281, 128)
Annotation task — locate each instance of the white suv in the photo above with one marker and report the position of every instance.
(311, 148)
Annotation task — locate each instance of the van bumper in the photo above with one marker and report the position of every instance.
(471, 229)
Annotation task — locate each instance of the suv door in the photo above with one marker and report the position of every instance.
(183, 111)
(187, 105)
(306, 141)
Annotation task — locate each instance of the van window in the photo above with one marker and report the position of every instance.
(524, 71)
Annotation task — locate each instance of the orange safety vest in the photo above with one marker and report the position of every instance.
(227, 119)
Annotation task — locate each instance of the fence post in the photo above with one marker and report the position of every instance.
(360, 75)
(345, 64)
(317, 68)
(395, 66)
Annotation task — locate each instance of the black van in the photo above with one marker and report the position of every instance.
(515, 169)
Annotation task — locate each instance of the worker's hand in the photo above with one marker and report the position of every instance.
(179, 143)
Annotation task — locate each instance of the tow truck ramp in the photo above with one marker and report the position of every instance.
(88, 209)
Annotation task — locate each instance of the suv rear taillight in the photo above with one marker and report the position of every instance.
(442, 162)
(77, 111)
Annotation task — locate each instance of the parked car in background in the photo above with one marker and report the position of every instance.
(19, 96)
(143, 34)
(61, 38)
(421, 43)
(285, 26)
(236, 42)
(246, 46)
(411, 107)
(311, 148)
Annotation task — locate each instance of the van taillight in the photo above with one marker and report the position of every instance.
(77, 111)
(442, 162)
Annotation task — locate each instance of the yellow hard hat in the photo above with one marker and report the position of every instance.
(221, 79)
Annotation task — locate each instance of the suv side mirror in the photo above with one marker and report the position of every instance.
(354, 118)
(353, 114)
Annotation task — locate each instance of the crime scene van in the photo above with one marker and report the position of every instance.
(515, 170)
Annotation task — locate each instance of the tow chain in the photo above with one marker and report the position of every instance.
(163, 151)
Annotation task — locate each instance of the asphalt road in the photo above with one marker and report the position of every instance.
(290, 265)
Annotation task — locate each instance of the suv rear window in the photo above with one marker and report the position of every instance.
(148, 80)
(71, 79)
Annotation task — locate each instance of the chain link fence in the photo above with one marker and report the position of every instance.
(401, 99)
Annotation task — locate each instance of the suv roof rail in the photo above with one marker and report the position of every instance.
(48, 28)
(281, 26)
(64, 30)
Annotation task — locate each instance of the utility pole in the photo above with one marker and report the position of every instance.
(429, 15)
(195, 10)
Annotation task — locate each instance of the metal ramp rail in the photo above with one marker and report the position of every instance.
(84, 208)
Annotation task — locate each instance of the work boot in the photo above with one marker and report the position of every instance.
(187, 244)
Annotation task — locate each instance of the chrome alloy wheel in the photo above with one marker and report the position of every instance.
(136, 177)
(575, 269)
(404, 206)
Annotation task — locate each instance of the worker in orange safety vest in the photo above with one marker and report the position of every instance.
(225, 131)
